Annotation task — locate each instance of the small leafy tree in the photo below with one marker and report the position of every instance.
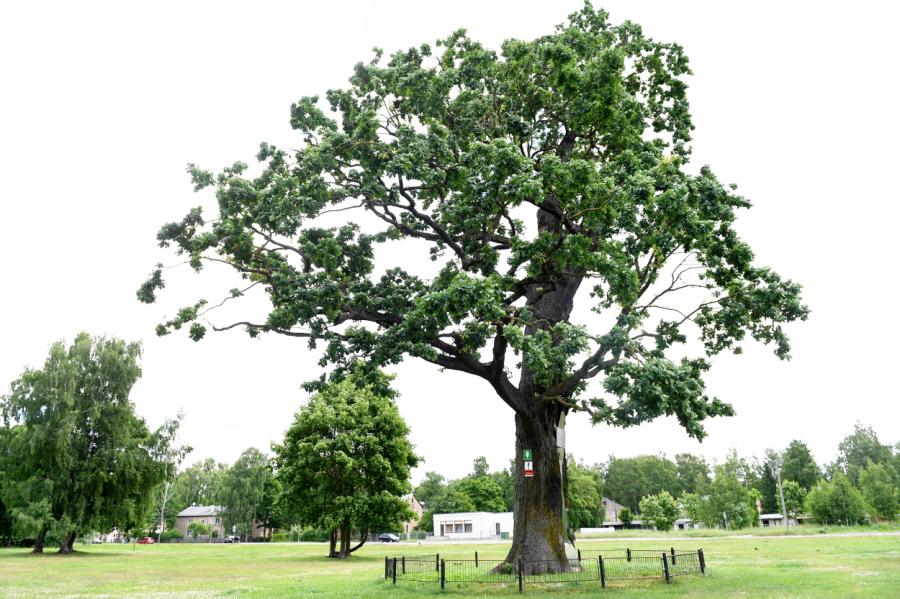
(660, 511)
(630, 479)
(794, 497)
(858, 449)
(729, 500)
(243, 491)
(345, 462)
(691, 473)
(429, 488)
(626, 517)
(799, 465)
(584, 501)
(84, 460)
(836, 502)
(485, 494)
(878, 488)
(550, 173)
(199, 529)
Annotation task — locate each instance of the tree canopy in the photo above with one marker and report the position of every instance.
(628, 480)
(83, 459)
(548, 173)
(243, 491)
(345, 462)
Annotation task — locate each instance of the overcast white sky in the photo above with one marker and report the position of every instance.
(103, 104)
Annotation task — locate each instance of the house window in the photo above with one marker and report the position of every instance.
(468, 526)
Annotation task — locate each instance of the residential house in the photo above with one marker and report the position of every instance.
(416, 507)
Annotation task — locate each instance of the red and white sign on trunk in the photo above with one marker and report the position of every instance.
(528, 463)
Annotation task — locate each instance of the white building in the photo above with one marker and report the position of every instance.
(473, 525)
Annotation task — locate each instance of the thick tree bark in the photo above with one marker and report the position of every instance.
(539, 535)
(67, 545)
(39, 541)
(332, 543)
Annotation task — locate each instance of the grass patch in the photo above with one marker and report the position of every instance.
(819, 567)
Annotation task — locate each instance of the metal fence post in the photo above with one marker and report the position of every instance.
(520, 574)
(394, 572)
(602, 573)
(437, 562)
(443, 574)
(403, 564)
(628, 554)
(476, 559)
(666, 567)
(672, 549)
(385, 567)
(702, 561)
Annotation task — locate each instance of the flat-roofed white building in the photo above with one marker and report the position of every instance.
(473, 525)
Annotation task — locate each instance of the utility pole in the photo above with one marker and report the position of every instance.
(781, 491)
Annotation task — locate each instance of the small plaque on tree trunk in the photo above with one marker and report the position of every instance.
(529, 468)
(526, 455)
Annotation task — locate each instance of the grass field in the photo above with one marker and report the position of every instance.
(820, 567)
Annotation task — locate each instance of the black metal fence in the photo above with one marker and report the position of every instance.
(591, 566)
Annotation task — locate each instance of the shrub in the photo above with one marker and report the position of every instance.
(314, 535)
(171, 533)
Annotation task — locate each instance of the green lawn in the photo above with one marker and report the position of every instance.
(820, 567)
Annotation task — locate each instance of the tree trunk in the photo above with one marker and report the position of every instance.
(332, 543)
(67, 545)
(539, 536)
(39, 541)
(345, 541)
(539, 532)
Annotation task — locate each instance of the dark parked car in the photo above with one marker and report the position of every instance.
(232, 539)
(387, 537)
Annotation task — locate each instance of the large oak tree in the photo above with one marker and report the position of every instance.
(550, 174)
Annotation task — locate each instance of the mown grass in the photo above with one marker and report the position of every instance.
(819, 567)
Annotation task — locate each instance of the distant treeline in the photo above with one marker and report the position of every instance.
(860, 484)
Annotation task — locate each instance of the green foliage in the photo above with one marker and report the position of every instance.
(798, 465)
(199, 484)
(84, 460)
(171, 533)
(450, 500)
(660, 511)
(879, 490)
(244, 491)
(836, 502)
(585, 494)
(313, 535)
(858, 449)
(626, 517)
(345, 460)
(585, 132)
(794, 497)
(480, 467)
(630, 479)
(429, 488)
(691, 473)
(483, 492)
(199, 529)
(729, 500)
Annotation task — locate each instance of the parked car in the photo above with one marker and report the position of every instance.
(388, 537)
(145, 541)
(232, 539)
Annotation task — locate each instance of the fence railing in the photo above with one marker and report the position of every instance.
(594, 566)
